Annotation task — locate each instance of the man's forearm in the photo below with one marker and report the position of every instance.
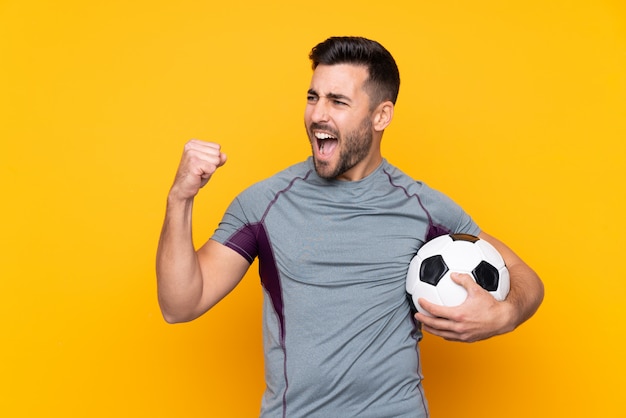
(179, 279)
(526, 293)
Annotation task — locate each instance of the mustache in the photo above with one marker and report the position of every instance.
(323, 127)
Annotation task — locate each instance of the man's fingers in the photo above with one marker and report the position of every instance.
(428, 306)
(463, 279)
(223, 158)
(204, 149)
(199, 162)
(204, 155)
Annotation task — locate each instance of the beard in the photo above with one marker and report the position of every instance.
(354, 147)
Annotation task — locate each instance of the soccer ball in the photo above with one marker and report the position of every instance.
(429, 272)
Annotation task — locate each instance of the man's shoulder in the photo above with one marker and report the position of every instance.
(399, 178)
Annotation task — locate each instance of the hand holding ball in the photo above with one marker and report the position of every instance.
(429, 271)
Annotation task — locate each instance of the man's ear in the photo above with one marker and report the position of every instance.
(383, 116)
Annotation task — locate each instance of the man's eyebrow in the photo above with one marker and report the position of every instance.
(336, 96)
(332, 96)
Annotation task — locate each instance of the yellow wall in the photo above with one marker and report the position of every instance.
(516, 109)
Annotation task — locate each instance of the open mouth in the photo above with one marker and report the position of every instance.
(326, 143)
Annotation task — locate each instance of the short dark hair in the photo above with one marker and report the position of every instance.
(383, 81)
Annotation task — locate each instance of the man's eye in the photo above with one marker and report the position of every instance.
(311, 98)
(340, 103)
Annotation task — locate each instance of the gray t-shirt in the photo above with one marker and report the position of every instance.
(338, 333)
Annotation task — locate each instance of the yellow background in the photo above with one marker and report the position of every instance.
(516, 109)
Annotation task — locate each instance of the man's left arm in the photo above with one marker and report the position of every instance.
(481, 316)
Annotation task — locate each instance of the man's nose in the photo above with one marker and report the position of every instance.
(320, 111)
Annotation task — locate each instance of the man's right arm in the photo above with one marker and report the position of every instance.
(190, 282)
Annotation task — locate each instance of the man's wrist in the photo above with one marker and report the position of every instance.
(509, 316)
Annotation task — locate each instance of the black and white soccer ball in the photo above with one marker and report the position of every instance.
(429, 272)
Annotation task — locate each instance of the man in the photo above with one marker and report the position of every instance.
(334, 236)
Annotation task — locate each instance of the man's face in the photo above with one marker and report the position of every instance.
(338, 120)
